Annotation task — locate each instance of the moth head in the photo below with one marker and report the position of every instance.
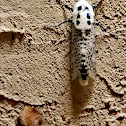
(83, 15)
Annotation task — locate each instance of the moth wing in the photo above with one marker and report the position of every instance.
(76, 57)
(91, 54)
(75, 53)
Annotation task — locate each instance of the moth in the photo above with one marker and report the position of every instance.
(83, 42)
(83, 54)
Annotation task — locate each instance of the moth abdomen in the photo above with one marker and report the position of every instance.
(84, 76)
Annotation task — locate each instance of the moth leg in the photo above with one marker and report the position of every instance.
(68, 20)
(97, 4)
(69, 8)
(105, 30)
(65, 5)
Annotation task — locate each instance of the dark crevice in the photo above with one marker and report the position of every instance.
(110, 88)
(13, 102)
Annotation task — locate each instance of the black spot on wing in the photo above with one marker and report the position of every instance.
(86, 34)
(83, 66)
(79, 8)
(78, 22)
(85, 39)
(89, 22)
(78, 16)
(80, 33)
(82, 60)
(83, 55)
(88, 16)
(86, 8)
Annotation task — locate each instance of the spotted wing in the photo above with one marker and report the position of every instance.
(78, 43)
(75, 53)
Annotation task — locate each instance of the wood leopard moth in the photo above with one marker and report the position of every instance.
(83, 19)
(82, 46)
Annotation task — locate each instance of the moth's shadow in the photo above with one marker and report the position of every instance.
(80, 96)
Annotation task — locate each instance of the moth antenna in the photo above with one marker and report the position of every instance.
(55, 26)
(97, 4)
(105, 30)
(68, 20)
(65, 5)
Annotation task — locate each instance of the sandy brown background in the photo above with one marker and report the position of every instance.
(34, 70)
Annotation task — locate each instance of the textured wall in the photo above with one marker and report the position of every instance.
(35, 70)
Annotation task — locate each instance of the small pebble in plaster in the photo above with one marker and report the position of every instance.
(31, 117)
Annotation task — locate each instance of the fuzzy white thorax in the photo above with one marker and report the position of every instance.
(83, 15)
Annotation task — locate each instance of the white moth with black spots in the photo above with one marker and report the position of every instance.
(83, 19)
(82, 46)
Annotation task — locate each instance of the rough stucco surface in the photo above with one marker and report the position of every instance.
(35, 67)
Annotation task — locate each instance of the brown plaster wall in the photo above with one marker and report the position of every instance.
(34, 68)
